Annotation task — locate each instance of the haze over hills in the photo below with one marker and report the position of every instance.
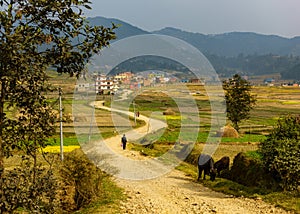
(247, 53)
(226, 44)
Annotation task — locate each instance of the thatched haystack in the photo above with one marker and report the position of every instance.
(169, 112)
(228, 131)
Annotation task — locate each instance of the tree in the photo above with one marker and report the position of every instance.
(36, 35)
(281, 152)
(239, 100)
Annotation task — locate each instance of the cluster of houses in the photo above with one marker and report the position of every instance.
(104, 84)
(271, 82)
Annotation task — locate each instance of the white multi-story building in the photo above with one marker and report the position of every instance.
(105, 84)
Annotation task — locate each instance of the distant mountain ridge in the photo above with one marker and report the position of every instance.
(235, 43)
(124, 30)
(246, 53)
(227, 44)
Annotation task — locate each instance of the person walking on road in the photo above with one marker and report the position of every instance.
(124, 141)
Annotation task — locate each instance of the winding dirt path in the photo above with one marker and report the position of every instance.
(175, 192)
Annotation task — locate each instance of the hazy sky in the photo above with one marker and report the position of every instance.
(279, 17)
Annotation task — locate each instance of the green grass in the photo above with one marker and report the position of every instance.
(154, 151)
(245, 138)
(68, 141)
(288, 200)
(71, 139)
(232, 188)
(254, 154)
(290, 102)
(171, 136)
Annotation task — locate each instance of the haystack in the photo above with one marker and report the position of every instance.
(169, 112)
(228, 131)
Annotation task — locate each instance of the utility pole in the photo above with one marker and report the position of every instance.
(93, 113)
(134, 112)
(61, 127)
(92, 117)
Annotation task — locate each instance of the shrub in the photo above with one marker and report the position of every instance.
(81, 179)
(281, 152)
(251, 172)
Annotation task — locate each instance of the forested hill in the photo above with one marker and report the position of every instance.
(235, 43)
(227, 44)
(236, 52)
(256, 65)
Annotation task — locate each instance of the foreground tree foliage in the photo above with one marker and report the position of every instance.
(34, 36)
(19, 190)
(239, 100)
(281, 152)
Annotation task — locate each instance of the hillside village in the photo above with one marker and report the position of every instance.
(106, 84)
(101, 83)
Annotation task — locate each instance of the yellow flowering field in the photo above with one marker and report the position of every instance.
(56, 149)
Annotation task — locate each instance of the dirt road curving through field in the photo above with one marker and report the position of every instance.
(172, 192)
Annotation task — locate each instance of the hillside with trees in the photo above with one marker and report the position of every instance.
(237, 52)
(234, 43)
(256, 65)
(292, 73)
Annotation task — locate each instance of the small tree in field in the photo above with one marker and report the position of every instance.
(281, 152)
(239, 100)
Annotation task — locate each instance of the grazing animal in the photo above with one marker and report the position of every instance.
(222, 164)
(206, 164)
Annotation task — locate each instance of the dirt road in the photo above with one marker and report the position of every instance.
(175, 192)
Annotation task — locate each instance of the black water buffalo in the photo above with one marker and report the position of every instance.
(222, 164)
(206, 164)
